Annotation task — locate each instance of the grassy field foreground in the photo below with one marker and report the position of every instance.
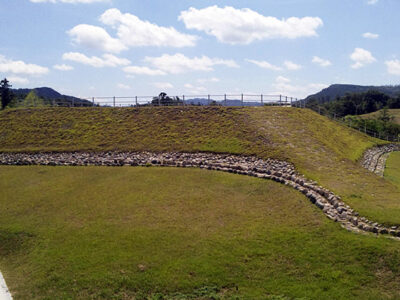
(320, 148)
(179, 234)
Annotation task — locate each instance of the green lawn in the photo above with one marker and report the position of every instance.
(392, 170)
(320, 148)
(98, 232)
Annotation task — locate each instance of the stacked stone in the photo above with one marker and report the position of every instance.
(374, 159)
(280, 171)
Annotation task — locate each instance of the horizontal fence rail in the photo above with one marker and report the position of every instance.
(363, 129)
(197, 100)
(194, 100)
(183, 100)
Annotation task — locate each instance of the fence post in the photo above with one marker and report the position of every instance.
(92, 101)
(114, 101)
(242, 99)
(209, 99)
(280, 99)
(183, 98)
(291, 100)
(136, 100)
(225, 99)
(262, 100)
(285, 101)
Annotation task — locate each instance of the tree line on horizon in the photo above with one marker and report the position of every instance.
(9, 99)
(351, 106)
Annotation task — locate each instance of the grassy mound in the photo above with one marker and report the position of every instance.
(321, 149)
(393, 112)
(181, 234)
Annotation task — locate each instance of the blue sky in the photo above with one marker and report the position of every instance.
(123, 48)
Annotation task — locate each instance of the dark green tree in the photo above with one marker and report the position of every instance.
(384, 116)
(5, 93)
(164, 100)
(394, 102)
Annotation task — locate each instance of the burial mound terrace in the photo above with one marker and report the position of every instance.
(280, 171)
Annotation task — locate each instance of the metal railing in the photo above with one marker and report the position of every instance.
(183, 100)
(201, 100)
(363, 129)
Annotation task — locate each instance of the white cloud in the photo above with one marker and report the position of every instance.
(69, 1)
(372, 2)
(123, 86)
(244, 26)
(206, 80)
(264, 64)
(361, 57)
(133, 32)
(20, 67)
(194, 89)
(107, 60)
(179, 63)
(283, 86)
(281, 79)
(143, 71)
(291, 65)
(321, 62)
(369, 35)
(393, 66)
(96, 38)
(63, 67)
(16, 79)
(163, 85)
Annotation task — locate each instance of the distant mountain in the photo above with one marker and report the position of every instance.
(229, 102)
(50, 94)
(339, 90)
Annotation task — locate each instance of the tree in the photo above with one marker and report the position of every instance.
(164, 100)
(5, 93)
(385, 116)
(394, 102)
(32, 100)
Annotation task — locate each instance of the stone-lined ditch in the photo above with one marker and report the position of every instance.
(374, 159)
(275, 170)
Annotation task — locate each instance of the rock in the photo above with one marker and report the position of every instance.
(279, 171)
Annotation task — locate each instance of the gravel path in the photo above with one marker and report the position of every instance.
(4, 293)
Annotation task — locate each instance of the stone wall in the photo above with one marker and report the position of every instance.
(275, 170)
(374, 159)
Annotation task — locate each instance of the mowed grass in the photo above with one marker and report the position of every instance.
(392, 170)
(136, 233)
(395, 113)
(322, 149)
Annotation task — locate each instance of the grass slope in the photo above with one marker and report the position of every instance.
(180, 233)
(392, 170)
(393, 112)
(322, 149)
